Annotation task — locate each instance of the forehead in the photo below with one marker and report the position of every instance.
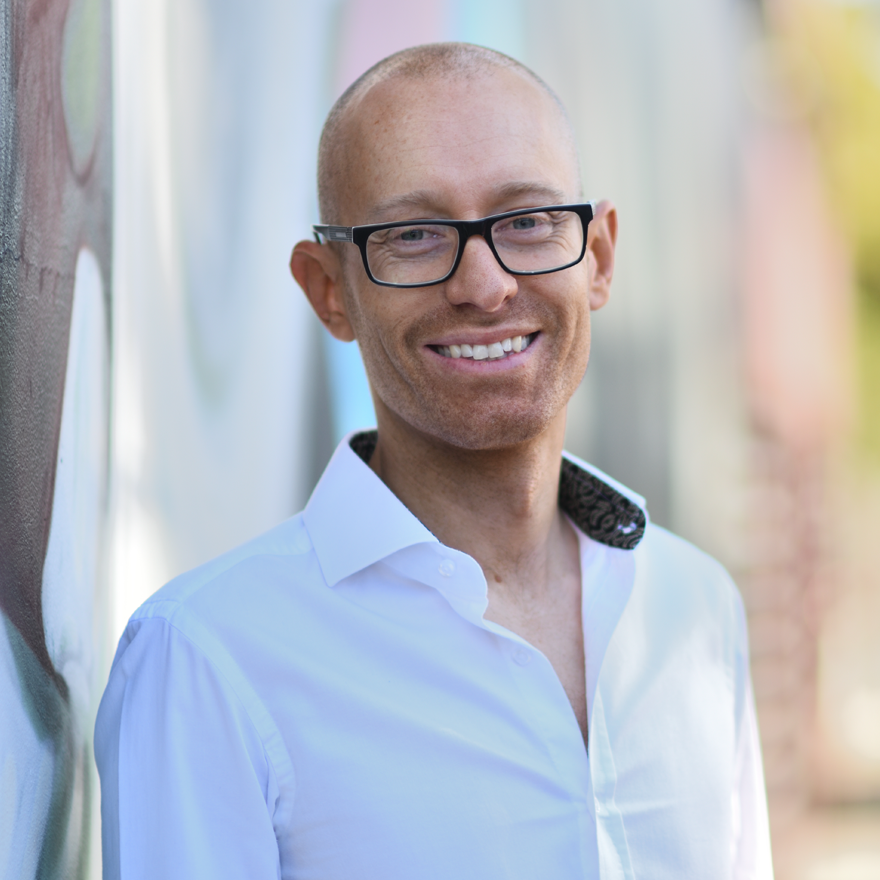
(455, 146)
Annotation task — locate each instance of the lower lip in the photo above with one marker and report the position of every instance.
(486, 365)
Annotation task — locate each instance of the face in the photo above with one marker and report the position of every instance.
(464, 149)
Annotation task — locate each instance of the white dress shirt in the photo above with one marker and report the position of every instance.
(327, 702)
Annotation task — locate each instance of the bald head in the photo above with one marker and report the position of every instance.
(427, 66)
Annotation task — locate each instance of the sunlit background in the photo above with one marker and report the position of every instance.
(734, 379)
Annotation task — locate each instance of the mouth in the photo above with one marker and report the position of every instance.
(493, 351)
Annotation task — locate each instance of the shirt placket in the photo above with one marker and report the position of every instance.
(546, 706)
(607, 580)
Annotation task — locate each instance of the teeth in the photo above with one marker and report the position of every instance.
(493, 351)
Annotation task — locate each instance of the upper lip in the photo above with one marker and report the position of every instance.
(479, 337)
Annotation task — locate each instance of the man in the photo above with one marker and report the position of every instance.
(469, 657)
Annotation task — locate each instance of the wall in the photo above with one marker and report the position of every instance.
(55, 354)
(220, 416)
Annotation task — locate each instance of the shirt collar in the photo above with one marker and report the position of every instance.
(354, 519)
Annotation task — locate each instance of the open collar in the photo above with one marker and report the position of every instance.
(355, 520)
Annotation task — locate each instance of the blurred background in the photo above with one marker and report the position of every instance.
(165, 393)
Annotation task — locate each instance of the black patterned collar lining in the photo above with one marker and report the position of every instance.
(599, 511)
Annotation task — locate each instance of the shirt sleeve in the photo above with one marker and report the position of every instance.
(186, 787)
(751, 855)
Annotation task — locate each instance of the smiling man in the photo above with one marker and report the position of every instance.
(471, 656)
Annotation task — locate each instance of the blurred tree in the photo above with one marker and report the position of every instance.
(832, 61)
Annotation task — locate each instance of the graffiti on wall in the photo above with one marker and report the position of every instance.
(55, 349)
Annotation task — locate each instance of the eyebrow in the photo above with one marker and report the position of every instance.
(417, 200)
(424, 200)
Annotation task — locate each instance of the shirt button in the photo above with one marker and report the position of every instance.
(521, 657)
(447, 568)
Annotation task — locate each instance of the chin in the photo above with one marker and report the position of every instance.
(494, 419)
(486, 430)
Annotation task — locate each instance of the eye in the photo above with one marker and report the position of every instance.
(523, 223)
(413, 234)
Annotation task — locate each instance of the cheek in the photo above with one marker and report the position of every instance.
(362, 306)
(378, 322)
(579, 352)
(572, 306)
(585, 339)
(577, 336)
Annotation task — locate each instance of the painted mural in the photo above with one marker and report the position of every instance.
(55, 349)
(165, 392)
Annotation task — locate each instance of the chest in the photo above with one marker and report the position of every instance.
(436, 749)
(554, 626)
(409, 728)
(433, 746)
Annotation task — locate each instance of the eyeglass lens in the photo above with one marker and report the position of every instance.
(421, 253)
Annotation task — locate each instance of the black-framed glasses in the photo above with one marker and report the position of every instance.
(419, 253)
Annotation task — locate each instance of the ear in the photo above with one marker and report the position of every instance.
(601, 241)
(317, 271)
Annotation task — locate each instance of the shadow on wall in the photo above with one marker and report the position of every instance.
(55, 246)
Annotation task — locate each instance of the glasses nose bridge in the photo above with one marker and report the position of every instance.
(469, 228)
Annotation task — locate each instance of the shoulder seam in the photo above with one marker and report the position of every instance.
(235, 691)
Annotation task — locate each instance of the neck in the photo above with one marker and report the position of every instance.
(498, 506)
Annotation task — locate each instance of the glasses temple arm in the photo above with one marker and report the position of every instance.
(333, 233)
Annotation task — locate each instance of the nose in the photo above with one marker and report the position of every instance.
(479, 279)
